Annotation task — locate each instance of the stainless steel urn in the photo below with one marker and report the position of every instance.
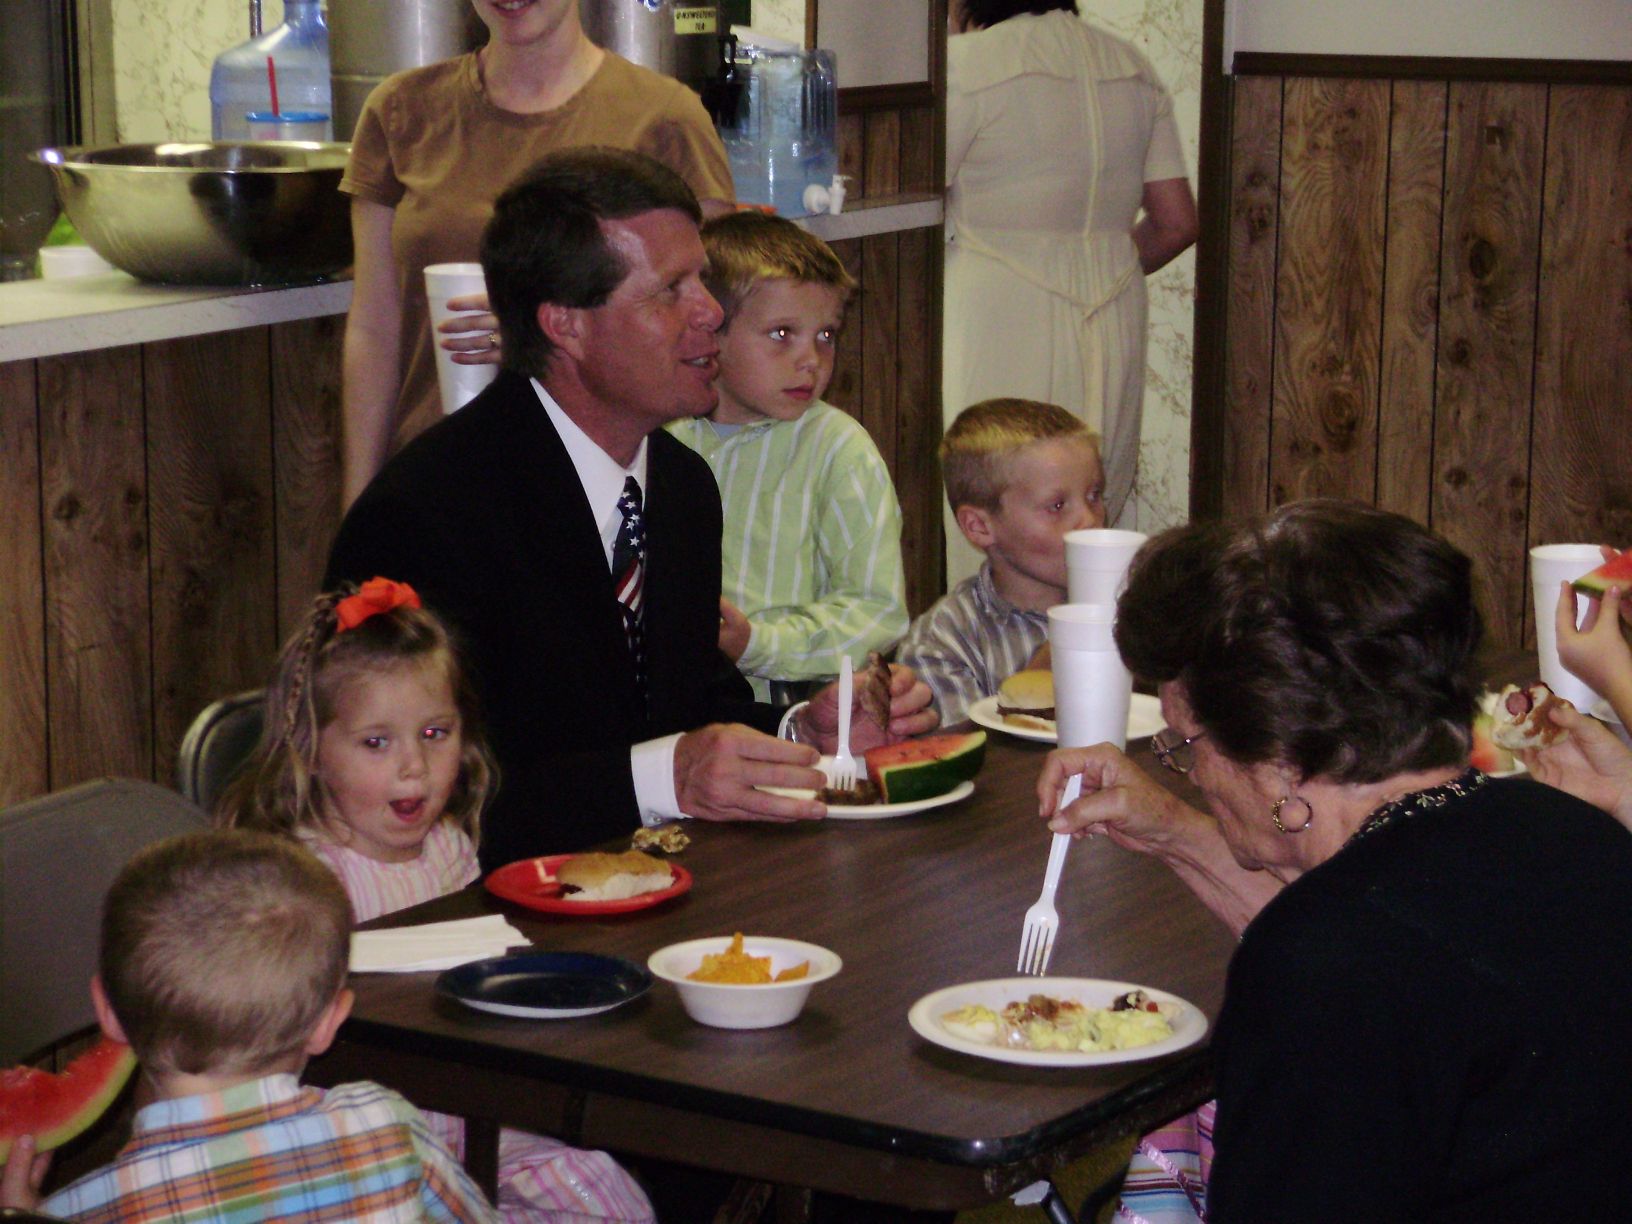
(371, 39)
(678, 38)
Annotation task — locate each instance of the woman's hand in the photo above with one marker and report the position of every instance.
(1597, 651)
(1119, 800)
(472, 338)
(1592, 764)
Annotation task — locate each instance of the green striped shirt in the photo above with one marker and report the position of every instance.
(812, 547)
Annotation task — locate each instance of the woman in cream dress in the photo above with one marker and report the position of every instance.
(1058, 136)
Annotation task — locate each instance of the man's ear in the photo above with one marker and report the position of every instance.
(105, 1019)
(328, 1023)
(976, 524)
(563, 326)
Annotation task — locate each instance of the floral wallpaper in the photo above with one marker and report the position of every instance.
(162, 53)
(1169, 32)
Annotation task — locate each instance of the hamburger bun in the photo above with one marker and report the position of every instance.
(611, 877)
(1026, 699)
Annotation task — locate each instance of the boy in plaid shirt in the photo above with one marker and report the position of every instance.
(223, 964)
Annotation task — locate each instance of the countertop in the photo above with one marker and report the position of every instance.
(48, 318)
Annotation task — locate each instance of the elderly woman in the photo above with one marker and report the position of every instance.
(1429, 1015)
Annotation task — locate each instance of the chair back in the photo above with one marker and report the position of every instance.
(217, 745)
(58, 855)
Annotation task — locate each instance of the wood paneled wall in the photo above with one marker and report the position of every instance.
(888, 372)
(1429, 308)
(167, 513)
(168, 508)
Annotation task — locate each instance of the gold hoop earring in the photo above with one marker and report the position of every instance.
(1275, 814)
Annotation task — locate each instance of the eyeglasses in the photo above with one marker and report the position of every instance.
(1175, 754)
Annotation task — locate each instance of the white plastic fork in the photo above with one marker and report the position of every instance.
(1042, 919)
(841, 771)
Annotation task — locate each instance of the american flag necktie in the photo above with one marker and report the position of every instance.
(629, 574)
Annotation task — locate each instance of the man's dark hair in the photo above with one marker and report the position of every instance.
(1328, 636)
(987, 13)
(545, 242)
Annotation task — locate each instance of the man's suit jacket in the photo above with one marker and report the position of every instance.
(485, 516)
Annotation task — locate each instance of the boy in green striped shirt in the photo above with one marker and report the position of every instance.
(812, 547)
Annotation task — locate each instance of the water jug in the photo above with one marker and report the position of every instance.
(782, 137)
(243, 79)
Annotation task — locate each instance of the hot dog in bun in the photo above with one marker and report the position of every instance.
(1522, 717)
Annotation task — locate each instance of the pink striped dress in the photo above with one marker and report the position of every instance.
(540, 1179)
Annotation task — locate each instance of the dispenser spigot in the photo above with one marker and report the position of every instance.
(829, 199)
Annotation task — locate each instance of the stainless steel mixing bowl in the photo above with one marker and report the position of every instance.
(223, 213)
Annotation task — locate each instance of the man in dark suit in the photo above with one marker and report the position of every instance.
(510, 517)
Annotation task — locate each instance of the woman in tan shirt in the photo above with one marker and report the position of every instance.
(434, 147)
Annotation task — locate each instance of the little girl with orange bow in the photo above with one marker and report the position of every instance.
(371, 755)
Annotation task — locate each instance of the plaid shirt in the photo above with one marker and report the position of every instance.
(271, 1150)
(969, 643)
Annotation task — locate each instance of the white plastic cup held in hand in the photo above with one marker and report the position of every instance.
(1551, 564)
(1092, 687)
(459, 384)
(1096, 562)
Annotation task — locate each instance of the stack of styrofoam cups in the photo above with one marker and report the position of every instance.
(1092, 688)
(1550, 565)
(458, 383)
(1096, 562)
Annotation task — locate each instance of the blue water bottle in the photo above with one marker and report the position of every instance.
(292, 59)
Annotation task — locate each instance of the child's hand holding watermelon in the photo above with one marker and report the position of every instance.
(24, 1174)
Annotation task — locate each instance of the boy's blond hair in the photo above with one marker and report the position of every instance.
(747, 248)
(221, 951)
(978, 447)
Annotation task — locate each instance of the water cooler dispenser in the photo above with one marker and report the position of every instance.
(282, 72)
(782, 137)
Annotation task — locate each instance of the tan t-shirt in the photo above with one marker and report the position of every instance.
(430, 145)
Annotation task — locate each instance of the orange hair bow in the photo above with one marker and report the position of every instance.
(375, 596)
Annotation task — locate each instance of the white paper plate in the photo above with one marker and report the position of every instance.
(879, 811)
(1144, 719)
(925, 1018)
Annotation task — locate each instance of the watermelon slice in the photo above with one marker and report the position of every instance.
(1486, 754)
(1613, 573)
(925, 768)
(55, 1108)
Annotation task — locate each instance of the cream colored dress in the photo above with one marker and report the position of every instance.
(1053, 129)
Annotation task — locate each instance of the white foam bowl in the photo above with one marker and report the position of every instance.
(725, 1005)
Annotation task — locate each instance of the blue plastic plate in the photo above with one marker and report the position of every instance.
(545, 985)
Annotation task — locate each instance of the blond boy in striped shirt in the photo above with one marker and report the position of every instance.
(812, 541)
(1019, 474)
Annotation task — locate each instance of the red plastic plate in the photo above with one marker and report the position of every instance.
(531, 882)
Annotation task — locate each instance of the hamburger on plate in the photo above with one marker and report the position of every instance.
(611, 877)
(1026, 699)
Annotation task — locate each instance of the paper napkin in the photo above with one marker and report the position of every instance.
(433, 945)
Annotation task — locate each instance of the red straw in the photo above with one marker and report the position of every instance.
(272, 80)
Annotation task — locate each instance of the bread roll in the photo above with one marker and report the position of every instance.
(611, 877)
(1026, 699)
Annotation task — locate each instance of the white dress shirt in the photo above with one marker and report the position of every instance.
(652, 761)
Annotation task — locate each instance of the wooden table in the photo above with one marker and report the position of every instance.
(847, 1098)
